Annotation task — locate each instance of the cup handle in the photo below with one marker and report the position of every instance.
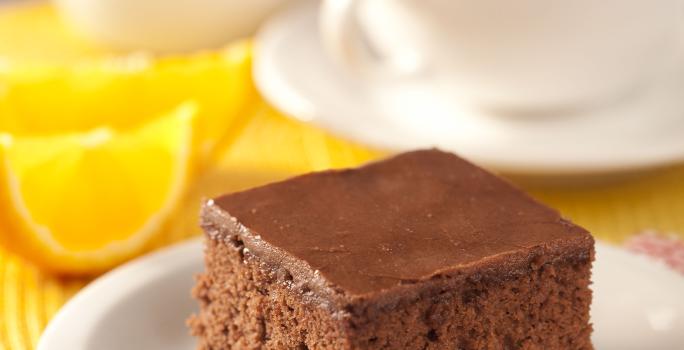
(343, 38)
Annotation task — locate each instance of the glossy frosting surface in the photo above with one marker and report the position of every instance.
(400, 220)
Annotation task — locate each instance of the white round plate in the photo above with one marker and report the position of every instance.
(293, 73)
(143, 305)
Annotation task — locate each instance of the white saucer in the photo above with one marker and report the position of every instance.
(293, 73)
(143, 305)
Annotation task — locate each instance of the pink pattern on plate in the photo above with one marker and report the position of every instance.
(668, 249)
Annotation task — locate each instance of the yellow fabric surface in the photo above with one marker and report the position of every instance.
(264, 145)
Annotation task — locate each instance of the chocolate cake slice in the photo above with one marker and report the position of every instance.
(420, 251)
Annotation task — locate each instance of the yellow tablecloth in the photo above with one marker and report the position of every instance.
(264, 145)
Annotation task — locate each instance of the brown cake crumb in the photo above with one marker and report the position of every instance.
(421, 251)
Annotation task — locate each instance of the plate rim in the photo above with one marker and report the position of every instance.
(187, 252)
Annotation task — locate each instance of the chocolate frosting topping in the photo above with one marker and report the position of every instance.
(404, 219)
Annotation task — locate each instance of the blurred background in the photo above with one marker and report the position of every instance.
(117, 117)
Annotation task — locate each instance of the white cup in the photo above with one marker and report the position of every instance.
(520, 55)
(166, 25)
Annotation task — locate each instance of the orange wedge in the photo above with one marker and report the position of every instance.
(82, 202)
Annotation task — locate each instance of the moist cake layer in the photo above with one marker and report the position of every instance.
(249, 304)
